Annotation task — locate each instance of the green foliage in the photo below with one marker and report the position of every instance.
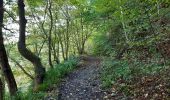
(101, 45)
(53, 76)
(35, 3)
(123, 70)
(29, 95)
(138, 21)
(113, 71)
(115, 24)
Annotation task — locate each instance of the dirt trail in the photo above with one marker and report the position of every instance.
(83, 83)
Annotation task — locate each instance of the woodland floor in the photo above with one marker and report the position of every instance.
(82, 84)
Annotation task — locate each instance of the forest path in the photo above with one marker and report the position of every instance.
(83, 83)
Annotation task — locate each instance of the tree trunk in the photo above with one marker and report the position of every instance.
(35, 60)
(5, 67)
(49, 35)
(1, 90)
(61, 44)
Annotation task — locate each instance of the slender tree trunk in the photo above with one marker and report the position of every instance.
(56, 56)
(78, 39)
(5, 67)
(50, 33)
(1, 90)
(56, 47)
(56, 50)
(82, 47)
(82, 28)
(67, 40)
(61, 44)
(35, 60)
(40, 49)
(56, 41)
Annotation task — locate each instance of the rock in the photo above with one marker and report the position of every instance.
(113, 94)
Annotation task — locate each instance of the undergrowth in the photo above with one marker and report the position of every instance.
(53, 76)
(123, 74)
(112, 70)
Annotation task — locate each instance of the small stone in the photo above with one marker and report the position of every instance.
(146, 95)
(105, 97)
(113, 94)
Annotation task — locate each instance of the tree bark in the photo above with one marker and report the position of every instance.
(5, 67)
(35, 60)
(50, 33)
(1, 90)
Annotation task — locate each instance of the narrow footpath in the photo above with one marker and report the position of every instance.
(84, 83)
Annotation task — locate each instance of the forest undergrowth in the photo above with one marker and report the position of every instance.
(136, 79)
